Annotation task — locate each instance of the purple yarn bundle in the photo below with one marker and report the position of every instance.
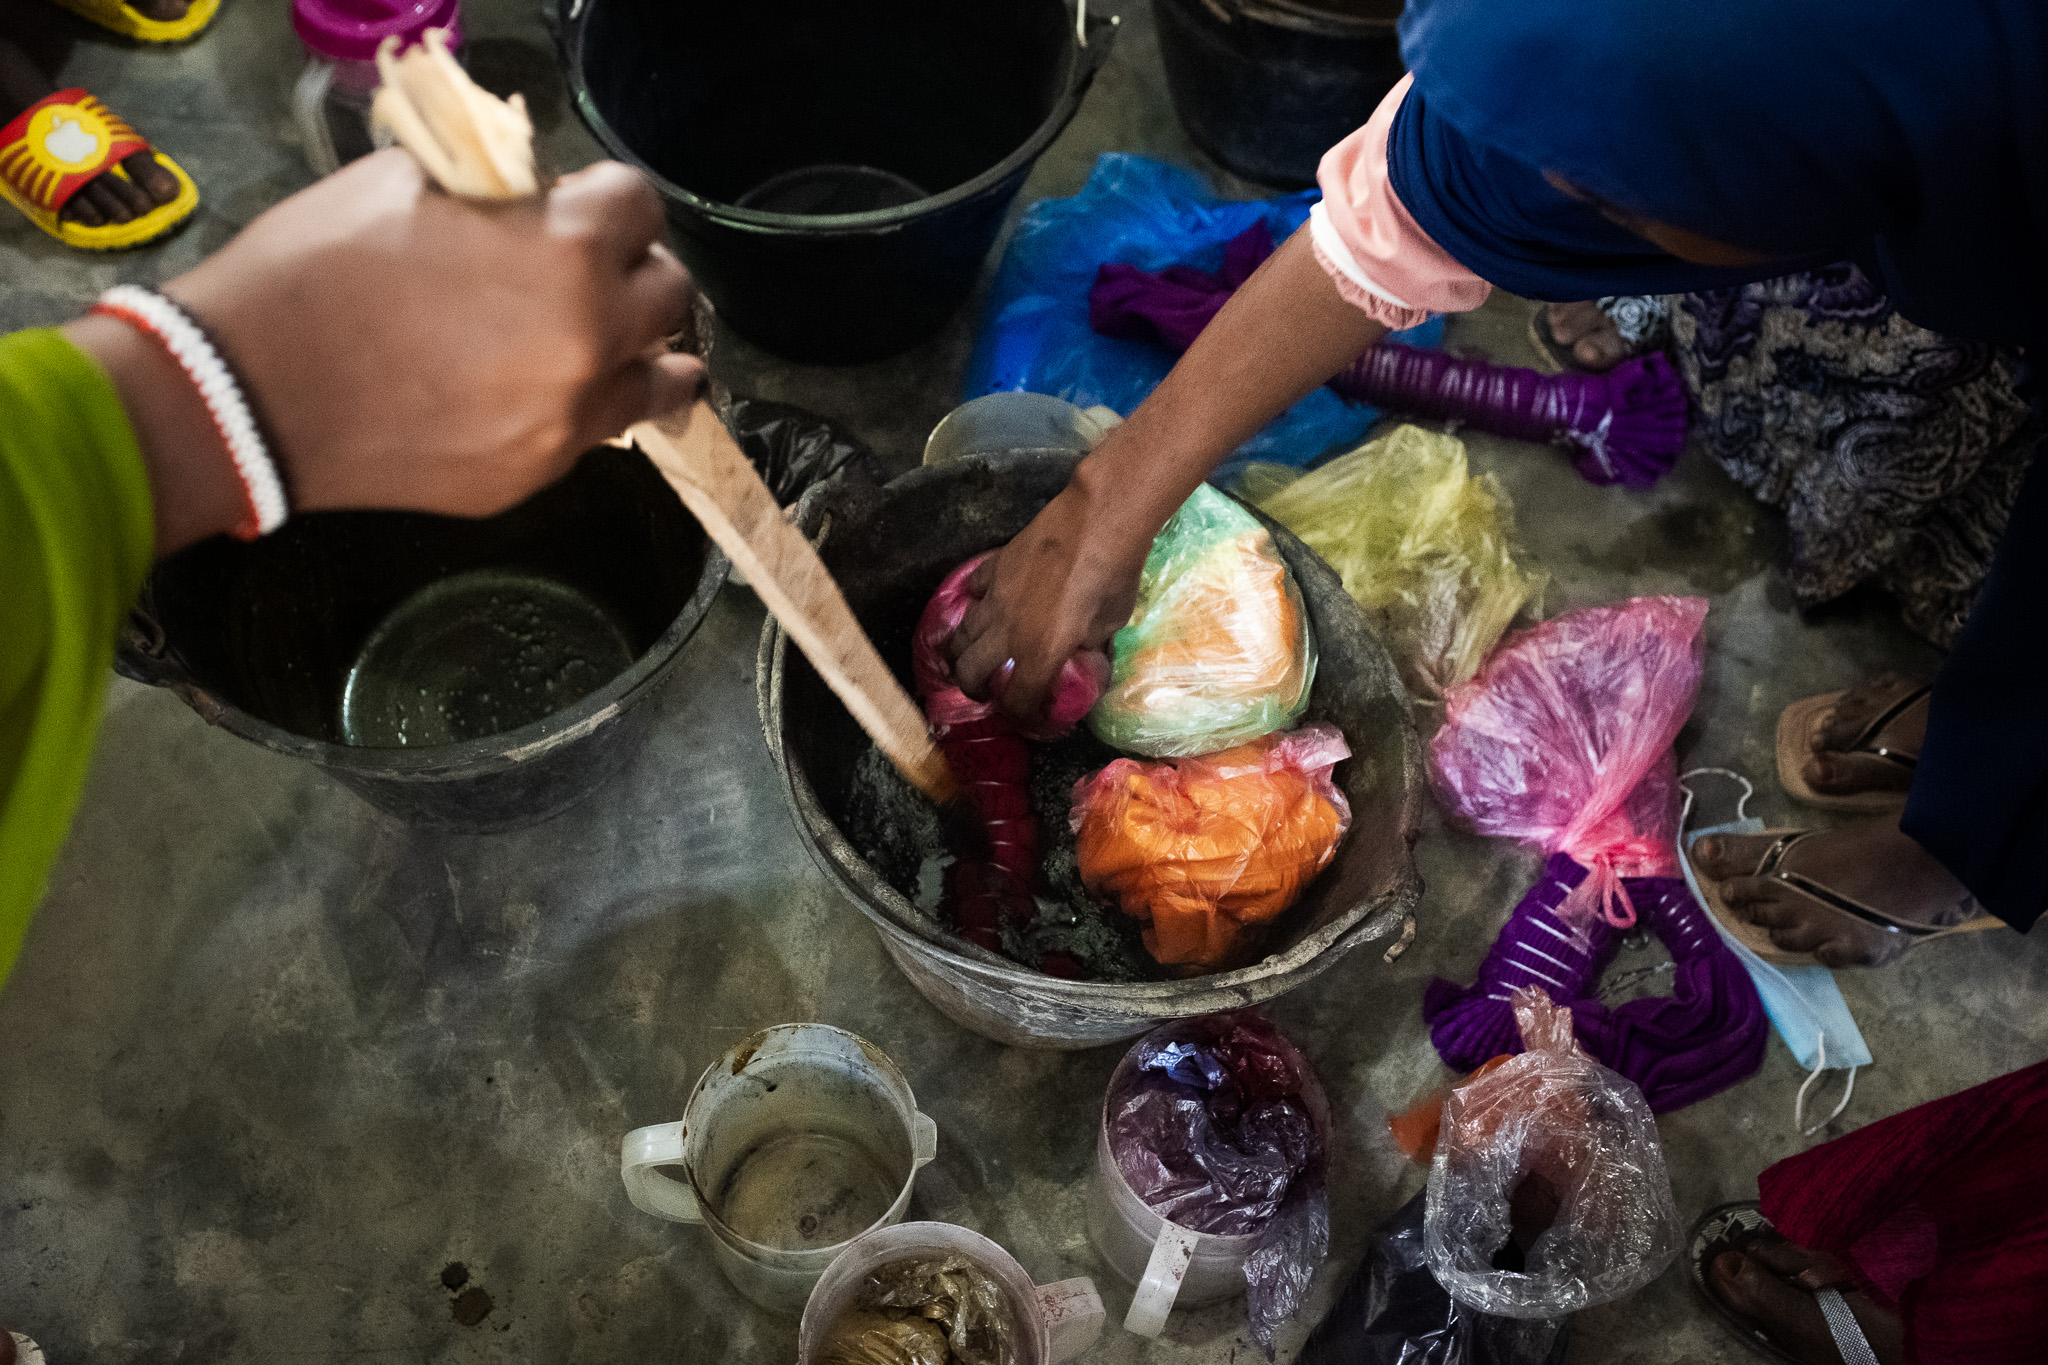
(1627, 426)
(1705, 1036)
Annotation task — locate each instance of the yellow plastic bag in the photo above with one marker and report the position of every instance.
(1421, 545)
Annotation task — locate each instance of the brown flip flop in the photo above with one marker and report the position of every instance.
(1720, 1229)
(1799, 726)
(1757, 939)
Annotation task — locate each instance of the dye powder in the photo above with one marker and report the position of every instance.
(895, 829)
(924, 1311)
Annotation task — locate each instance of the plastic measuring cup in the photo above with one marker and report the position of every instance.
(331, 102)
(1169, 1265)
(791, 1145)
(1057, 1321)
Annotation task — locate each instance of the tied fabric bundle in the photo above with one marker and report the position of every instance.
(1221, 1129)
(1563, 741)
(990, 755)
(1548, 1192)
(1217, 651)
(1705, 1036)
(1626, 426)
(1207, 851)
(1421, 545)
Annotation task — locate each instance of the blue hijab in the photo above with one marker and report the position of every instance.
(1906, 136)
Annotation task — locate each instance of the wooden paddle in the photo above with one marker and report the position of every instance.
(479, 146)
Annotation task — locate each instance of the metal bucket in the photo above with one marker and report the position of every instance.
(888, 548)
(273, 640)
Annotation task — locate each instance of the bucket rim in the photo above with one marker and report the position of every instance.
(486, 754)
(1146, 1003)
(1081, 64)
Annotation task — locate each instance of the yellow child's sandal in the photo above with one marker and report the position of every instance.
(55, 148)
(129, 22)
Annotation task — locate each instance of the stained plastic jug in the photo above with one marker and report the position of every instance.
(331, 101)
(1057, 1321)
(792, 1145)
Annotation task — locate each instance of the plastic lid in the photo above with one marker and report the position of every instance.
(349, 30)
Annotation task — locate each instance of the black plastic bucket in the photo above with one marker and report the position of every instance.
(1267, 86)
(490, 673)
(835, 173)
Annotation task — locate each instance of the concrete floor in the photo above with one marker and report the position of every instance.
(273, 1060)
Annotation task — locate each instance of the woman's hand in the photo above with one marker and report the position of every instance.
(1070, 580)
(406, 349)
(1066, 583)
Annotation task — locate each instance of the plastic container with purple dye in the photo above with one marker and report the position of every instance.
(331, 102)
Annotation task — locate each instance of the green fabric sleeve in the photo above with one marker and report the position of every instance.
(77, 533)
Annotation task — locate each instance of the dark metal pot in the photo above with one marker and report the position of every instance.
(1267, 86)
(888, 548)
(835, 173)
(261, 638)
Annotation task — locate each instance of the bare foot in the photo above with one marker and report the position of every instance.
(106, 198)
(1837, 769)
(1769, 1282)
(1594, 340)
(1872, 862)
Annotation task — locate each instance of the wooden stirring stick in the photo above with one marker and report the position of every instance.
(478, 146)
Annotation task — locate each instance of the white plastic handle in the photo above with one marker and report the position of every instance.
(1072, 1312)
(1171, 1253)
(925, 1140)
(640, 1156)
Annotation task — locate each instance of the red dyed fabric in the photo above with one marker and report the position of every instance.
(1943, 1210)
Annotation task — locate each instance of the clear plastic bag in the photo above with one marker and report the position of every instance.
(1218, 649)
(1563, 741)
(1395, 1313)
(1208, 851)
(1548, 1192)
(1421, 545)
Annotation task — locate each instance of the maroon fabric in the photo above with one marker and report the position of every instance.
(1943, 1210)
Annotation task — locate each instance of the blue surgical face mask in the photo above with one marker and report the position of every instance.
(1804, 1003)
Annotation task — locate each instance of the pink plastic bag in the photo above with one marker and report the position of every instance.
(1076, 689)
(1563, 741)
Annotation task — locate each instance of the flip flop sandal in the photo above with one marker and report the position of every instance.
(55, 148)
(1642, 320)
(129, 22)
(1799, 727)
(1758, 939)
(1715, 1232)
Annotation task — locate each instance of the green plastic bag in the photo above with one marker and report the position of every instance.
(1218, 650)
(1422, 546)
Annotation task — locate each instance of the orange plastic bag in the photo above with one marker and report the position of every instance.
(1209, 850)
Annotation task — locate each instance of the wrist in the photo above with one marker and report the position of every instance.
(194, 488)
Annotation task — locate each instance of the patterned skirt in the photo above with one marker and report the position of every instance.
(1895, 453)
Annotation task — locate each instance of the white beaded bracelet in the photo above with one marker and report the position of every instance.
(152, 313)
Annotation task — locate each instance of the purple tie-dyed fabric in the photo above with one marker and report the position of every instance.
(1697, 1041)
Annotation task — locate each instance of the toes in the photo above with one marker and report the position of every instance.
(1842, 774)
(151, 178)
(1599, 350)
(1859, 706)
(1788, 1315)
(1571, 321)
(83, 210)
(1729, 855)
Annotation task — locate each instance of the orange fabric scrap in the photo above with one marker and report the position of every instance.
(1209, 850)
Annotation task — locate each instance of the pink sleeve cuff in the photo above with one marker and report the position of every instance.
(1365, 239)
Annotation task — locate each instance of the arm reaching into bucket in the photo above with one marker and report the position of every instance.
(1069, 580)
